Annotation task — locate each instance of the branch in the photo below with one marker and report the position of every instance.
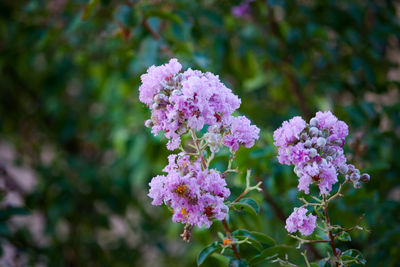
(228, 234)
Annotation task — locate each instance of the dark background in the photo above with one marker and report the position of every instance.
(75, 156)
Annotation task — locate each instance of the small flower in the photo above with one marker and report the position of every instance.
(299, 221)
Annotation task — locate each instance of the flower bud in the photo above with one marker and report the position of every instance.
(330, 151)
(354, 177)
(343, 169)
(176, 92)
(313, 131)
(338, 252)
(321, 142)
(156, 105)
(307, 144)
(304, 136)
(357, 185)
(314, 122)
(313, 152)
(365, 178)
(182, 129)
(158, 98)
(149, 123)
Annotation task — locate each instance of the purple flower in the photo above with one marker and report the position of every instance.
(183, 101)
(241, 133)
(299, 221)
(315, 149)
(196, 196)
(151, 81)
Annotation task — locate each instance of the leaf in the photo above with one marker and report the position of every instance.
(252, 203)
(261, 238)
(355, 255)
(253, 242)
(238, 263)
(163, 15)
(270, 253)
(247, 204)
(344, 236)
(207, 251)
(323, 262)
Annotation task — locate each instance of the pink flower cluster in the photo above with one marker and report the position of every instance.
(180, 101)
(316, 151)
(298, 220)
(189, 101)
(196, 196)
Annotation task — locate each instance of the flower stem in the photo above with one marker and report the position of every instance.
(331, 238)
(200, 151)
(228, 234)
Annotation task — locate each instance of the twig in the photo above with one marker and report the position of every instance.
(228, 234)
(331, 237)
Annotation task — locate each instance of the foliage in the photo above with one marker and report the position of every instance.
(70, 110)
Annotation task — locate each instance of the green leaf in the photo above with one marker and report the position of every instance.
(238, 263)
(270, 253)
(344, 236)
(252, 203)
(247, 204)
(253, 242)
(207, 251)
(263, 238)
(353, 255)
(163, 15)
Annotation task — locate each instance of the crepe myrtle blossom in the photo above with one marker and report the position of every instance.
(194, 195)
(191, 100)
(316, 151)
(299, 221)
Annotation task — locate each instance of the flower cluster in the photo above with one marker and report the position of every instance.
(316, 151)
(190, 101)
(196, 196)
(180, 101)
(298, 220)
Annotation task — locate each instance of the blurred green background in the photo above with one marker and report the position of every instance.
(76, 159)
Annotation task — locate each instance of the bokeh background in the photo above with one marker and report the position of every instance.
(75, 158)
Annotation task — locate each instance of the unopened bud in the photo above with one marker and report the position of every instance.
(307, 144)
(365, 178)
(182, 129)
(158, 98)
(313, 131)
(314, 122)
(321, 142)
(357, 185)
(343, 169)
(155, 105)
(338, 252)
(304, 136)
(313, 152)
(149, 123)
(354, 177)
